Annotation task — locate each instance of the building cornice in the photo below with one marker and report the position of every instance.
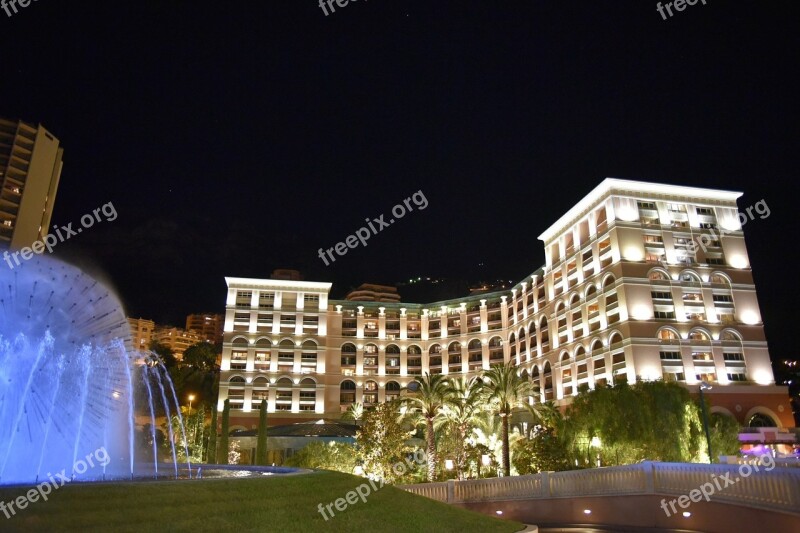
(612, 186)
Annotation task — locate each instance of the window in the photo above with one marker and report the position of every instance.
(708, 376)
(715, 260)
(674, 376)
(723, 298)
(702, 356)
(705, 211)
(311, 297)
(659, 295)
(347, 392)
(647, 205)
(708, 225)
(736, 377)
(670, 356)
(664, 314)
(732, 356)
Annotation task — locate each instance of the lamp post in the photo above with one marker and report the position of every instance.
(705, 386)
(191, 399)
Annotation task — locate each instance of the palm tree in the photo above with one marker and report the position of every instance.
(506, 391)
(427, 401)
(355, 412)
(465, 401)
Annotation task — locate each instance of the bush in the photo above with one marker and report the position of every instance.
(337, 456)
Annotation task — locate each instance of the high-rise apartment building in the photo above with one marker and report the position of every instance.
(207, 325)
(142, 331)
(177, 339)
(30, 169)
(642, 281)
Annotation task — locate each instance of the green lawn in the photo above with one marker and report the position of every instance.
(265, 504)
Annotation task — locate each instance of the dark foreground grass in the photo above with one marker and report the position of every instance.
(262, 504)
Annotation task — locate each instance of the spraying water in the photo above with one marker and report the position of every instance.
(66, 385)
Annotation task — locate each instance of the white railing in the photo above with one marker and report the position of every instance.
(778, 489)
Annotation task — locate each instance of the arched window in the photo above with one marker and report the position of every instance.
(392, 349)
(668, 334)
(760, 420)
(260, 392)
(414, 350)
(348, 355)
(347, 392)
(283, 395)
(698, 335)
(591, 291)
(574, 301)
(308, 395)
(236, 380)
(730, 335)
(609, 281)
(392, 390)
(658, 275)
(615, 338)
(547, 377)
(596, 346)
(688, 275)
(239, 343)
(718, 278)
(370, 393)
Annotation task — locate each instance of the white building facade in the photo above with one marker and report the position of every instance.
(642, 281)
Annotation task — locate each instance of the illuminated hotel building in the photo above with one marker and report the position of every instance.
(620, 298)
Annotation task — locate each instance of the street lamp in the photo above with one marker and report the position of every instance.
(705, 386)
(191, 399)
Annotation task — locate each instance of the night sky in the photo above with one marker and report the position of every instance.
(238, 137)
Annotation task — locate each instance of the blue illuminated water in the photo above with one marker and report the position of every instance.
(68, 381)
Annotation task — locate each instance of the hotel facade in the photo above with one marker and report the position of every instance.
(642, 281)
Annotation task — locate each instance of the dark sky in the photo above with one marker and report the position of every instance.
(237, 137)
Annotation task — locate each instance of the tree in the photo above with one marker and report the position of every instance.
(382, 441)
(165, 353)
(211, 457)
(650, 420)
(543, 452)
(261, 444)
(223, 440)
(427, 401)
(724, 431)
(355, 412)
(506, 391)
(464, 400)
(201, 356)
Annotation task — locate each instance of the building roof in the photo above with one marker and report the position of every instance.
(628, 187)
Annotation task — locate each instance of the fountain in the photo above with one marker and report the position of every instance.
(67, 394)
(70, 385)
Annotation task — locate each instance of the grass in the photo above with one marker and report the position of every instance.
(264, 504)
